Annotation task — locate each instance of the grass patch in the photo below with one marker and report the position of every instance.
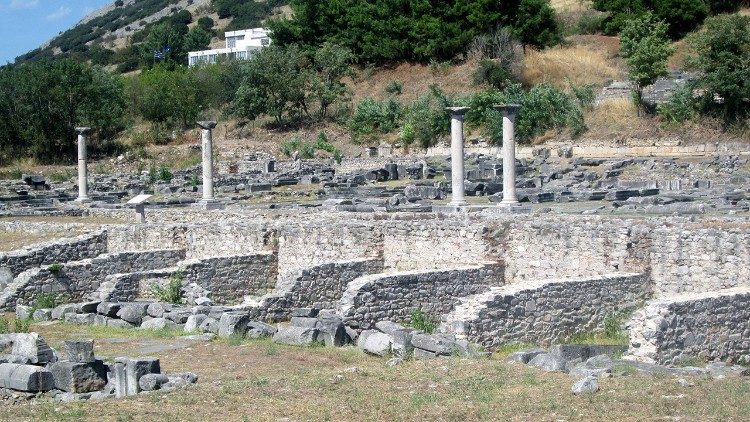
(61, 176)
(506, 349)
(172, 292)
(561, 66)
(421, 321)
(611, 334)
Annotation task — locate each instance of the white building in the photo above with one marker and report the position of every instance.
(240, 45)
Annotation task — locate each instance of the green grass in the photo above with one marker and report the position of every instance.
(506, 349)
(105, 332)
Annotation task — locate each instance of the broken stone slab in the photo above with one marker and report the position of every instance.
(389, 327)
(401, 342)
(193, 322)
(118, 323)
(108, 309)
(588, 385)
(331, 329)
(296, 336)
(128, 371)
(585, 351)
(233, 324)
(79, 351)
(42, 315)
(133, 313)
(27, 378)
(87, 307)
(156, 310)
(440, 344)
(374, 342)
(33, 347)
(209, 325)
(158, 324)
(305, 312)
(304, 322)
(59, 312)
(23, 311)
(549, 362)
(178, 316)
(77, 377)
(257, 329)
(151, 382)
(524, 356)
(721, 370)
(424, 354)
(80, 319)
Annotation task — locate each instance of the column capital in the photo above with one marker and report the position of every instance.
(207, 124)
(458, 111)
(508, 109)
(82, 130)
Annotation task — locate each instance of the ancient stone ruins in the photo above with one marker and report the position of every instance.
(571, 244)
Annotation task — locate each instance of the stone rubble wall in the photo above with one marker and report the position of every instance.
(698, 259)
(64, 250)
(128, 287)
(320, 286)
(77, 280)
(711, 326)
(231, 278)
(395, 296)
(544, 311)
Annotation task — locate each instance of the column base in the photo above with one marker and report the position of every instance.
(451, 208)
(511, 208)
(210, 204)
(82, 200)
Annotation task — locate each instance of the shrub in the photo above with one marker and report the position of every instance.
(547, 107)
(289, 147)
(426, 119)
(590, 23)
(493, 73)
(419, 320)
(645, 47)
(4, 325)
(172, 292)
(371, 118)
(21, 325)
(165, 175)
(55, 268)
(307, 151)
(681, 107)
(394, 88)
(536, 23)
(46, 301)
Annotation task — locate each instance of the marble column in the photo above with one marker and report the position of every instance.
(457, 155)
(509, 111)
(208, 160)
(83, 182)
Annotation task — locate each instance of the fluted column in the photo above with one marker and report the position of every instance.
(208, 160)
(83, 182)
(457, 155)
(509, 111)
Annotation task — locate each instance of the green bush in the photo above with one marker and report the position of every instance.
(645, 46)
(493, 73)
(46, 301)
(426, 119)
(165, 175)
(590, 23)
(372, 118)
(419, 320)
(680, 108)
(307, 151)
(172, 292)
(289, 147)
(394, 88)
(547, 107)
(55, 268)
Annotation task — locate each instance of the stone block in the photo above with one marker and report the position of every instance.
(440, 344)
(133, 370)
(108, 309)
(59, 312)
(78, 377)
(88, 307)
(588, 385)
(296, 336)
(151, 382)
(158, 324)
(389, 327)
(401, 345)
(549, 362)
(304, 322)
(305, 312)
(33, 347)
(178, 316)
(79, 351)
(80, 319)
(257, 329)
(332, 331)
(118, 323)
(233, 324)
(156, 310)
(42, 315)
(133, 313)
(193, 322)
(23, 311)
(27, 378)
(209, 325)
(374, 342)
(524, 356)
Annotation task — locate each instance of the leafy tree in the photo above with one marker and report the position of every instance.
(169, 97)
(273, 83)
(43, 102)
(163, 44)
(206, 23)
(645, 46)
(331, 64)
(721, 53)
(197, 39)
(536, 23)
(682, 15)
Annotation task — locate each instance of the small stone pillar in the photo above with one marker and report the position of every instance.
(208, 160)
(140, 213)
(510, 111)
(83, 182)
(457, 155)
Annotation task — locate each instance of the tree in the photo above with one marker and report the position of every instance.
(273, 83)
(206, 23)
(645, 46)
(682, 16)
(536, 23)
(44, 101)
(163, 44)
(721, 53)
(331, 64)
(169, 97)
(197, 39)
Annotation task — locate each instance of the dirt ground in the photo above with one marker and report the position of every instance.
(261, 381)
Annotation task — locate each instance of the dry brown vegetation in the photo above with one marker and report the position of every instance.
(261, 381)
(579, 65)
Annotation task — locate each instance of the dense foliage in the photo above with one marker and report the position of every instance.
(42, 103)
(681, 16)
(645, 46)
(384, 30)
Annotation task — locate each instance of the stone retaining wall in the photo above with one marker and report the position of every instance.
(394, 297)
(698, 259)
(320, 286)
(710, 326)
(543, 312)
(64, 250)
(231, 278)
(77, 280)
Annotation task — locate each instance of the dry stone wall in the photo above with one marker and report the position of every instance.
(74, 249)
(77, 280)
(395, 296)
(712, 326)
(546, 311)
(320, 286)
(231, 278)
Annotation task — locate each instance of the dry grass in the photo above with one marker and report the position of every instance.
(615, 115)
(577, 64)
(260, 381)
(562, 6)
